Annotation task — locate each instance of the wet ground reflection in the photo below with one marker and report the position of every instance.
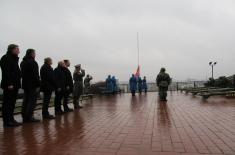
(123, 124)
(163, 113)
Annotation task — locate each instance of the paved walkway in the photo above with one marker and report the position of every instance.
(123, 125)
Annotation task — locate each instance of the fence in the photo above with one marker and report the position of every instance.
(124, 88)
(152, 87)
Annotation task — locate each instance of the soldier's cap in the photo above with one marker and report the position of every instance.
(77, 66)
(163, 69)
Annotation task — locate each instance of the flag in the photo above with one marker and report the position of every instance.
(137, 74)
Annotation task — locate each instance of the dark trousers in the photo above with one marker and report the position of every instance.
(46, 102)
(76, 99)
(29, 103)
(58, 98)
(133, 92)
(66, 98)
(8, 105)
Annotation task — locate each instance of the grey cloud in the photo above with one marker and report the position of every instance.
(182, 35)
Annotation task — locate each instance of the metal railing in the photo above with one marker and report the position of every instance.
(174, 86)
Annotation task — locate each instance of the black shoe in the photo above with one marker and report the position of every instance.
(34, 120)
(59, 112)
(68, 109)
(31, 120)
(18, 123)
(78, 107)
(11, 124)
(48, 117)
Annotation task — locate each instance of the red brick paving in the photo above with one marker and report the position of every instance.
(122, 125)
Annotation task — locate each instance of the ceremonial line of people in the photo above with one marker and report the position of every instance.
(59, 80)
(137, 83)
(163, 80)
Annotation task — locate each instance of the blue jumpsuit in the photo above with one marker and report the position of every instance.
(109, 85)
(133, 85)
(140, 85)
(145, 87)
(114, 84)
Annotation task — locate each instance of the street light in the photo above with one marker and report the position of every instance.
(212, 64)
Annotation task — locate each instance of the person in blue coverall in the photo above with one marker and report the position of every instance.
(133, 84)
(114, 84)
(109, 85)
(140, 85)
(145, 87)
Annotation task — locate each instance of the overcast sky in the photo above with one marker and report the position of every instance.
(181, 35)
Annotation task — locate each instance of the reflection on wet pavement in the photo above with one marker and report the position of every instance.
(124, 125)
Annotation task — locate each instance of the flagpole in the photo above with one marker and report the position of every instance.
(138, 48)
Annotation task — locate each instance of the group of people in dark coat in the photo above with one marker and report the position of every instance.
(137, 83)
(59, 80)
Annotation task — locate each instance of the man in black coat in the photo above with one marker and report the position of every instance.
(10, 84)
(47, 86)
(60, 86)
(30, 84)
(69, 86)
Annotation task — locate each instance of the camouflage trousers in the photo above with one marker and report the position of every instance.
(162, 93)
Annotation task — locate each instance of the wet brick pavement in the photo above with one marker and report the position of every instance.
(122, 125)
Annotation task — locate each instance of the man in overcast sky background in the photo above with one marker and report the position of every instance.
(183, 35)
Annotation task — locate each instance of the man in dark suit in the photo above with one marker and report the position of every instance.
(47, 86)
(30, 84)
(60, 86)
(69, 86)
(10, 84)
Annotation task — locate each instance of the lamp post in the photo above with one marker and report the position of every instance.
(212, 64)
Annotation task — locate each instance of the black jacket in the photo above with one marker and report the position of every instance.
(47, 78)
(69, 79)
(30, 74)
(60, 78)
(11, 74)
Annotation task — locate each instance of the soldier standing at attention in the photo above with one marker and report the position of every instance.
(133, 84)
(78, 85)
(87, 83)
(10, 84)
(163, 81)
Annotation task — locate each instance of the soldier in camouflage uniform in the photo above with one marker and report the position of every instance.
(163, 81)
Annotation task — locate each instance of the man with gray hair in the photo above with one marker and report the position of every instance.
(47, 86)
